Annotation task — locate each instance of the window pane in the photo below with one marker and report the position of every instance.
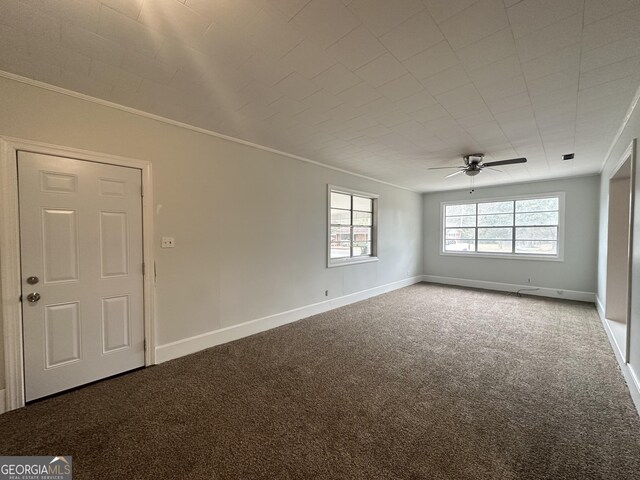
(460, 240)
(361, 234)
(495, 207)
(537, 233)
(466, 221)
(543, 218)
(361, 249)
(340, 200)
(545, 247)
(460, 245)
(362, 218)
(463, 233)
(467, 209)
(538, 204)
(340, 217)
(502, 220)
(494, 234)
(362, 204)
(494, 246)
(340, 242)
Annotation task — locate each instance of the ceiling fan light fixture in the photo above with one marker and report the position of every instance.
(474, 163)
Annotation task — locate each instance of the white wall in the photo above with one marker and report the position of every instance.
(578, 270)
(250, 225)
(630, 131)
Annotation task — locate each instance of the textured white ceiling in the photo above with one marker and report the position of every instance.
(384, 88)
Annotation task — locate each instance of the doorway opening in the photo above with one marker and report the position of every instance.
(618, 289)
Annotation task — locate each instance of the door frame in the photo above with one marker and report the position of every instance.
(10, 275)
(628, 155)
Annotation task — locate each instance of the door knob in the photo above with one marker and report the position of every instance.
(32, 280)
(33, 297)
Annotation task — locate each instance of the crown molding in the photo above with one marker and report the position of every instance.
(627, 117)
(175, 123)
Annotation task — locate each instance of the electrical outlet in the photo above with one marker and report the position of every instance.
(168, 242)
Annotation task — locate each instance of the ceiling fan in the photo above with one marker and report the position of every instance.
(473, 165)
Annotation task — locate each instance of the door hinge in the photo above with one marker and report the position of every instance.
(141, 190)
(20, 298)
(143, 269)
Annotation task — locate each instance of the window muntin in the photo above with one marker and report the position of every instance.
(525, 227)
(352, 226)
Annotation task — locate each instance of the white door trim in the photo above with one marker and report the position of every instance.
(10, 276)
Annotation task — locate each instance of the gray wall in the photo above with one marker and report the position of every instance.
(576, 272)
(250, 226)
(631, 131)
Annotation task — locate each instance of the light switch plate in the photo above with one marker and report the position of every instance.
(168, 242)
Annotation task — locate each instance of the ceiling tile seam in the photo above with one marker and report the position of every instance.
(418, 80)
(453, 88)
(586, 89)
(544, 148)
(476, 89)
(575, 119)
(478, 39)
(566, 47)
(346, 66)
(336, 93)
(299, 11)
(553, 73)
(362, 24)
(310, 39)
(139, 11)
(168, 121)
(163, 37)
(625, 10)
(458, 13)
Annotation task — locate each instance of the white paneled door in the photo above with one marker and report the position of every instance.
(82, 277)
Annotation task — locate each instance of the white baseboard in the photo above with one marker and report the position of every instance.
(635, 390)
(510, 287)
(194, 344)
(3, 406)
(600, 307)
(627, 371)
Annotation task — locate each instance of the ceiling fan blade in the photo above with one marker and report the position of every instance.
(441, 168)
(454, 173)
(505, 162)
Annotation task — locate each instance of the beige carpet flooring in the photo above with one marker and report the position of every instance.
(427, 382)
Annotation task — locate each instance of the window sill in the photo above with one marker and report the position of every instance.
(350, 261)
(510, 256)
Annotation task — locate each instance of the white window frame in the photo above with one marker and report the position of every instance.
(512, 256)
(340, 262)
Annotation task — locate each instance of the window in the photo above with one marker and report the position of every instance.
(521, 227)
(352, 226)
